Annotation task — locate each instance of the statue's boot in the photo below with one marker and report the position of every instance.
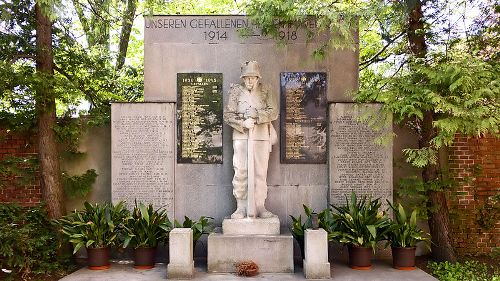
(263, 213)
(241, 210)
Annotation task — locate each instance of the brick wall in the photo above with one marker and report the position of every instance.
(475, 164)
(13, 190)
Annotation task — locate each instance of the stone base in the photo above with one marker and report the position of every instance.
(317, 270)
(180, 271)
(249, 226)
(272, 253)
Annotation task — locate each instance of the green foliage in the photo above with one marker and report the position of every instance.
(146, 227)
(298, 228)
(340, 18)
(469, 270)
(360, 222)
(84, 76)
(189, 7)
(463, 92)
(96, 226)
(28, 242)
(325, 221)
(78, 185)
(414, 191)
(403, 230)
(488, 214)
(204, 225)
(19, 171)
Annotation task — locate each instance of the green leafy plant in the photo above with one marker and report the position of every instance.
(403, 230)
(28, 242)
(146, 227)
(325, 221)
(78, 185)
(468, 270)
(204, 225)
(298, 228)
(360, 223)
(16, 170)
(96, 226)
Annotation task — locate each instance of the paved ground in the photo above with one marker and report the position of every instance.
(381, 271)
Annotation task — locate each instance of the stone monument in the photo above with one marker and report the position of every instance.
(252, 232)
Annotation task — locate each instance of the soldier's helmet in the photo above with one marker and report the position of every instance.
(250, 68)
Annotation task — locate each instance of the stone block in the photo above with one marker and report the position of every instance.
(316, 265)
(176, 271)
(272, 253)
(249, 226)
(181, 264)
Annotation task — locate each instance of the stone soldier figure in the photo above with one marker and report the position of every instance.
(249, 112)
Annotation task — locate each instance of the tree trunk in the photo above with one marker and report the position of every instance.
(52, 192)
(128, 21)
(439, 221)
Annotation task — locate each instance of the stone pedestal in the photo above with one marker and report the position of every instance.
(272, 253)
(181, 264)
(316, 265)
(249, 226)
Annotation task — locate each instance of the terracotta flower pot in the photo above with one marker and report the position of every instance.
(144, 258)
(360, 257)
(403, 258)
(98, 258)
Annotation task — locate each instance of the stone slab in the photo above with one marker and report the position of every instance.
(142, 154)
(381, 271)
(272, 253)
(249, 226)
(357, 162)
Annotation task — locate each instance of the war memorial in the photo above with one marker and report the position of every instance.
(240, 128)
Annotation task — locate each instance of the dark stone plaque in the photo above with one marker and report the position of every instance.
(303, 117)
(199, 118)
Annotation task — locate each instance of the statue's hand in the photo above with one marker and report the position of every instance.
(249, 123)
(252, 113)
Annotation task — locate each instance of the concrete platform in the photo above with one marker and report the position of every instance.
(273, 253)
(381, 271)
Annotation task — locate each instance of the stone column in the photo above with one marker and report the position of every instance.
(316, 265)
(181, 264)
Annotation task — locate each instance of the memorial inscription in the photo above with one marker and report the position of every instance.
(223, 29)
(303, 117)
(358, 163)
(142, 154)
(199, 118)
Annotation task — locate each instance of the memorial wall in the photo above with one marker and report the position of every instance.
(142, 149)
(189, 63)
(357, 162)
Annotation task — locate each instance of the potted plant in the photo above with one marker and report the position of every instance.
(403, 235)
(143, 230)
(96, 228)
(204, 225)
(361, 225)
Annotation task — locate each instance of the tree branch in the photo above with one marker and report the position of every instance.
(375, 58)
(17, 57)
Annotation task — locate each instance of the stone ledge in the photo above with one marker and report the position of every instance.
(249, 226)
